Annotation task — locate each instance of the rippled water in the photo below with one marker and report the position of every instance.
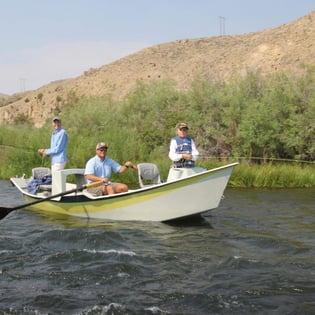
(255, 254)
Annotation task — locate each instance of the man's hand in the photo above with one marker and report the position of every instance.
(187, 156)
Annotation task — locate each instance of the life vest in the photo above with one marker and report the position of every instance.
(183, 146)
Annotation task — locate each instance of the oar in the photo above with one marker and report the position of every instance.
(5, 211)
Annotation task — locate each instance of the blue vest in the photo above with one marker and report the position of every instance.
(183, 146)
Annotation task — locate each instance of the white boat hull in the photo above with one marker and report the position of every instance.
(175, 199)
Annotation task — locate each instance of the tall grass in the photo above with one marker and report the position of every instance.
(273, 176)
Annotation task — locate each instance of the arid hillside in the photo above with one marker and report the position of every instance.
(284, 48)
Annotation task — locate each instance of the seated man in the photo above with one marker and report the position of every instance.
(99, 168)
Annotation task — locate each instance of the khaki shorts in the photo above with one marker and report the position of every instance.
(97, 191)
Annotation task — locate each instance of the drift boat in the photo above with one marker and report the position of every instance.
(186, 192)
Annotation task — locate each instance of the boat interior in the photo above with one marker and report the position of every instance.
(69, 179)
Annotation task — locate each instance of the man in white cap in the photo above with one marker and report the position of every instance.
(58, 146)
(183, 151)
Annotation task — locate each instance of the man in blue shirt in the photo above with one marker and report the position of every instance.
(58, 146)
(99, 168)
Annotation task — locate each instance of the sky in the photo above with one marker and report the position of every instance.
(48, 40)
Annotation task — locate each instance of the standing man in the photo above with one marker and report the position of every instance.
(58, 146)
(183, 151)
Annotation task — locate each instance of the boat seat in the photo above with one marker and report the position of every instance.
(148, 174)
(60, 179)
(39, 173)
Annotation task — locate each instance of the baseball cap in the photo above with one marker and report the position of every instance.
(56, 118)
(182, 125)
(101, 145)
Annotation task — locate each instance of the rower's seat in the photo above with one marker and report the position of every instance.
(148, 174)
(38, 173)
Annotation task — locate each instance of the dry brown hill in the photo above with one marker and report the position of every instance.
(283, 48)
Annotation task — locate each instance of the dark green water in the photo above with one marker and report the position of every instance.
(255, 254)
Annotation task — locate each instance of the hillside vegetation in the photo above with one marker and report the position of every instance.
(214, 59)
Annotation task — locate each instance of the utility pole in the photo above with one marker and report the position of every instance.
(22, 84)
(222, 25)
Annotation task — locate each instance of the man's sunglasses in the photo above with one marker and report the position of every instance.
(102, 149)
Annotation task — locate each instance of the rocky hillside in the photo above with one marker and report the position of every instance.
(283, 48)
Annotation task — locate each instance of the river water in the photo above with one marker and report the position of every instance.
(255, 254)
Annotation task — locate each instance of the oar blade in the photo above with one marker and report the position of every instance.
(4, 212)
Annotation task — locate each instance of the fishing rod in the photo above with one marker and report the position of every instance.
(18, 148)
(207, 157)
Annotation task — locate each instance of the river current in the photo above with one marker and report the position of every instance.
(255, 254)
